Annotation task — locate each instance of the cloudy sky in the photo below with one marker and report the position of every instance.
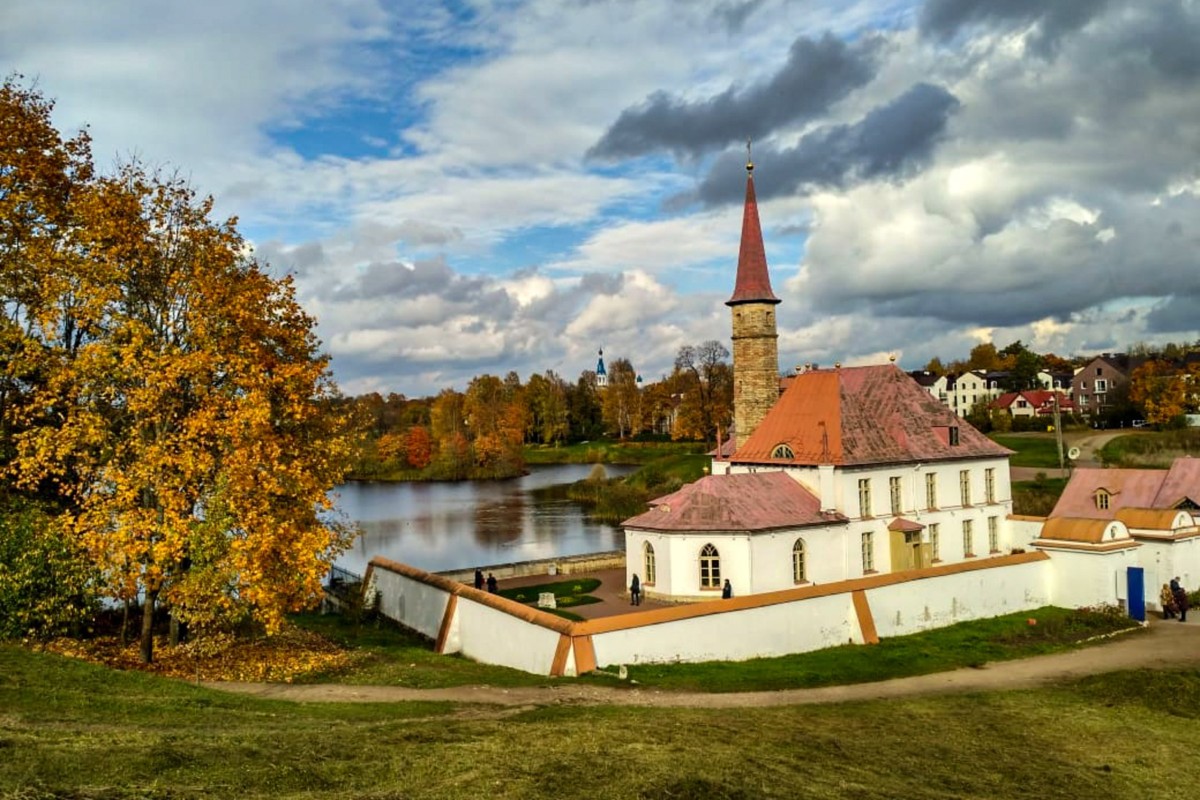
(467, 186)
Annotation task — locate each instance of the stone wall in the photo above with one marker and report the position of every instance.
(755, 366)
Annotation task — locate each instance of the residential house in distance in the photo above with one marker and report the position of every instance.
(1056, 380)
(1092, 385)
(1034, 402)
(972, 387)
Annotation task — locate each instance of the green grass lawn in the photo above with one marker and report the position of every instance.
(967, 644)
(391, 656)
(1032, 450)
(388, 655)
(606, 451)
(1037, 498)
(70, 729)
(1151, 449)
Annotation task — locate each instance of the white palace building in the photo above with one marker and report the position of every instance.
(850, 507)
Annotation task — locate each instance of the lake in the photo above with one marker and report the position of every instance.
(444, 526)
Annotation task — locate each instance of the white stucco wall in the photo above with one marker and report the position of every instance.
(1088, 578)
(773, 630)
(824, 557)
(415, 604)
(1023, 530)
(494, 637)
(1165, 559)
(937, 602)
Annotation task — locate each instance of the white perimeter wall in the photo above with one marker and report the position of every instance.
(773, 630)
(494, 637)
(1082, 578)
(477, 629)
(936, 602)
(417, 605)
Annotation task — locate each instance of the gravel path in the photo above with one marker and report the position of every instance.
(1165, 644)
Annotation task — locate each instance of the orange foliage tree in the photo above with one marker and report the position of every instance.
(184, 413)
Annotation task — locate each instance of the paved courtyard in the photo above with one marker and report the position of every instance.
(612, 592)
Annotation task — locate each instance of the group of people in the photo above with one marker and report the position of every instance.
(491, 581)
(1174, 600)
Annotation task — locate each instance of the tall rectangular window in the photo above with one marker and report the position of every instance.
(993, 534)
(931, 490)
(968, 539)
(964, 486)
(894, 491)
(864, 497)
(989, 484)
(868, 552)
(935, 545)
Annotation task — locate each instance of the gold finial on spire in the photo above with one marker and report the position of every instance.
(749, 161)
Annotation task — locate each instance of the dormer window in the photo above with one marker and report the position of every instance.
(954, 436)
(1102, 499)
(782, 451)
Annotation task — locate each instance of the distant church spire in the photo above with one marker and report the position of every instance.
(601, 372)
(755, 342)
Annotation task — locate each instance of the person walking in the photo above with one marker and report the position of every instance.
(1181, 598)
(727, 590)
(1166, 599)
(491, 583)
(635, 591)
(479, 579)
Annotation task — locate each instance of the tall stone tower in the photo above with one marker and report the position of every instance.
(755, 347)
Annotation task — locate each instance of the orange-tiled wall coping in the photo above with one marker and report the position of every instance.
(1026, 518)
(455, 588)
(657, 616)
(1086, 547)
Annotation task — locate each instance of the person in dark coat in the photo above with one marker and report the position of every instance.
(1181, 598)
(635, 591)
(479, 579)
(727, 590)
(491, 582)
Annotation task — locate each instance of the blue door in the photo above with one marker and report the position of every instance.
(1136, 584)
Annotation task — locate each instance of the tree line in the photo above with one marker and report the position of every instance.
(480, 432)
(1161, 389)
(169, 428)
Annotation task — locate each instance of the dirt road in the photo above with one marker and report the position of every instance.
(1165, 644)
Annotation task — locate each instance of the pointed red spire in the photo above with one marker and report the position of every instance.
(753, 280)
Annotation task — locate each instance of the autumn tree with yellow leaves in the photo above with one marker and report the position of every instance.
(173, 396)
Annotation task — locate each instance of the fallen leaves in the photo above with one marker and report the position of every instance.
(282, 658)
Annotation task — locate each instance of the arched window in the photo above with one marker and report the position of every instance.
(649, 565)
(782, 451)
(799, 568)
(710, 568)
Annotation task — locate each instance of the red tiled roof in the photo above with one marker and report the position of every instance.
(905, 525)
(859, 416)
(1129, 488)
(753, 283)
(1040, 399)
(739, 502)
(1181, 483)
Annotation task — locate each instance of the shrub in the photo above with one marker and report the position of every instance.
(47, 585)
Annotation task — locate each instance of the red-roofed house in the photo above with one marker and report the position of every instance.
(1039, 402)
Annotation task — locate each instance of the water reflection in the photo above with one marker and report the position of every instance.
(440, 526)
